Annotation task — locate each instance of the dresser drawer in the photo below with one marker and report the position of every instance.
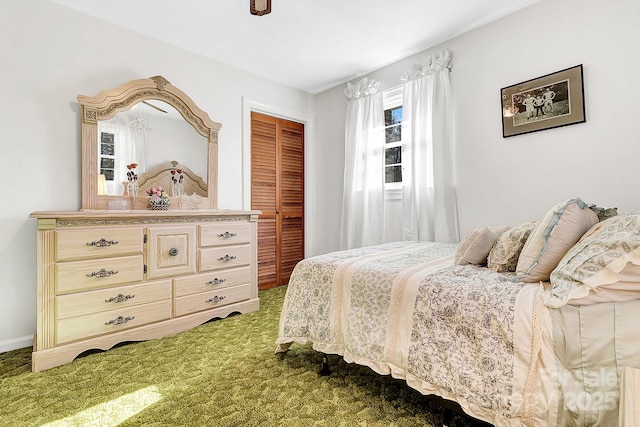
(97, 242)
(224, 257)
(226, 233)
(80, 327)
(212, 281)
(121, 297)
(212, 299)
(172, 251)
(75, 276)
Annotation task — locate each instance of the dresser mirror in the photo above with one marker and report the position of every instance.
(172, 132)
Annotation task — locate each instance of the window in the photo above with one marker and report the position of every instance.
(392, 101)
(393, 145)
(107, 155)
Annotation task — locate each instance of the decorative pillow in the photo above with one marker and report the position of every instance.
(475, 247)
(604, 213)
(608, 254)
(557, 232)
(504, 254)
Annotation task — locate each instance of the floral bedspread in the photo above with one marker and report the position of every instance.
(404, 309)
(462, 335)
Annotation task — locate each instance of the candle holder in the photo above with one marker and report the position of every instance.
(177, 185)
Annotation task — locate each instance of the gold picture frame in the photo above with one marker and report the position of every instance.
(546, 102)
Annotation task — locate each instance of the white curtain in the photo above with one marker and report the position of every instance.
(428, 180)
(363, 197)
(134, 135)
(131, 134)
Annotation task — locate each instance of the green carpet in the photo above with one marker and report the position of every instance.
(222, 373)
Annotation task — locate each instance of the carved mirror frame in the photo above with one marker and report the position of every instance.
(108, 103)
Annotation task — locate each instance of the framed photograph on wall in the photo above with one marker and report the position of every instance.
(546, 102)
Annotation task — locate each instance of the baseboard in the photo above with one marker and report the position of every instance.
(16, 343)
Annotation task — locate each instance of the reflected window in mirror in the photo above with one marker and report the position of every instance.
(107, 155)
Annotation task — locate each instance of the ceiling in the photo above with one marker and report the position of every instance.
(309, 45)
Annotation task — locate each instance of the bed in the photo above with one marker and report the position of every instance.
(534, 324)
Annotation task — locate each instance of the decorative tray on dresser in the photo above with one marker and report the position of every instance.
(106, 277)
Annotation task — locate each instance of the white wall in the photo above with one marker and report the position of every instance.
(50, 54)
(504, 181)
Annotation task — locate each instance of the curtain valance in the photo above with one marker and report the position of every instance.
(436, 62)
(361, 88)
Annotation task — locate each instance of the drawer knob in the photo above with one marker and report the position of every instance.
(102, 243)
(120, 320)
(119, 298)
(215, 299)
(102, 273)
(226, 235)
(227, 258)
(215, 281)
(173, 251)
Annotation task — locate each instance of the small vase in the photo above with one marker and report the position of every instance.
(132, 190)
(177, 190)
(159, 206)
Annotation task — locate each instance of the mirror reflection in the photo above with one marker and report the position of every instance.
(150, 133)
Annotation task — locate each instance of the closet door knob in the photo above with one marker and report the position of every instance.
(173, 251)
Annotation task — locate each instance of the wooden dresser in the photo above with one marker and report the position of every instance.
(106, 277)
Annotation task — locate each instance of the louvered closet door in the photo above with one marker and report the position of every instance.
(277, 189)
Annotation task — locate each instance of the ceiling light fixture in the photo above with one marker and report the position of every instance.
(153, 106)
(260, 7)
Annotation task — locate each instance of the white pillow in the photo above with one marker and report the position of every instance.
(475, 247)
(557, 232)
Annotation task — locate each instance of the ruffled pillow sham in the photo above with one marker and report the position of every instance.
(606, 258)
(560, 229)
